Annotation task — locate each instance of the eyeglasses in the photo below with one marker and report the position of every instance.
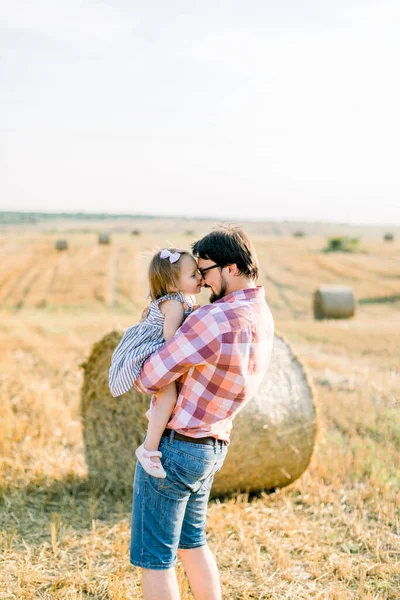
(202, 271)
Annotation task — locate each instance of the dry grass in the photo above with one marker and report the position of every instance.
(335, 534)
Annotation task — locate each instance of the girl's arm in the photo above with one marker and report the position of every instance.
(173, 312)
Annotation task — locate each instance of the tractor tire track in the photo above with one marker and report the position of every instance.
(282, 295)
(113, 278)
(27, 288)
(19, 280)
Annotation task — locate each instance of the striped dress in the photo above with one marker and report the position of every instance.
(139, 342)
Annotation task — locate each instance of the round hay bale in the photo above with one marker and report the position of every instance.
(334, 302)
(61, 244)
(112, 427)
(104, 238)
(272, 437)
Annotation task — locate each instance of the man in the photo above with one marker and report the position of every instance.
(219, 357)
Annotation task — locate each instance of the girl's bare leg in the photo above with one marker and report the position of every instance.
(159, 417)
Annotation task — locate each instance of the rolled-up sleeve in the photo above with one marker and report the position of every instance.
(197, 342)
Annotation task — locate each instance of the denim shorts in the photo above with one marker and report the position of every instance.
(170, 513)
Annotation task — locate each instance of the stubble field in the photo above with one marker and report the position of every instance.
(333, 534)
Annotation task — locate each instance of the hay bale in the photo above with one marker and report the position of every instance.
(104, 238)
(272, 438)
(61, 245)
(112, 427)
(334, 302)
(388, 237)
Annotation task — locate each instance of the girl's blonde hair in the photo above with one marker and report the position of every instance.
(164, 275)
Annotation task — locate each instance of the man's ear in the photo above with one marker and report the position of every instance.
(232, 269)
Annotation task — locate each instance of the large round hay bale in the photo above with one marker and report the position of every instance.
(104, 238)
(61, 244)
(272, 438)
(112, 427)
(334, 302)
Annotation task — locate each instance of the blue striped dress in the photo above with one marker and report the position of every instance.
(138, 342)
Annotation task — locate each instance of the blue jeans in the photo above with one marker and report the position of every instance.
(170, 513)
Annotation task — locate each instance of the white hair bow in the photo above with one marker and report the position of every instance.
(173, 257)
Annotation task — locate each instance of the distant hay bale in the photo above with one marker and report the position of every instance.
(388, 237)
(272, 439)
(104, 238)
(334, 302)
(61, 244)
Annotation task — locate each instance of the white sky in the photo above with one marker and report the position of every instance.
(233, 109)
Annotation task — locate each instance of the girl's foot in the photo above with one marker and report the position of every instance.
(152, 468)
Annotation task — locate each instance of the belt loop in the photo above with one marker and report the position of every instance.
(171, 436)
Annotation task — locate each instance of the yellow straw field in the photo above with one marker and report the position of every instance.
(334, 534)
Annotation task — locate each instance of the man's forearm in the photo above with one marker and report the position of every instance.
(155, 374)
(197, 342)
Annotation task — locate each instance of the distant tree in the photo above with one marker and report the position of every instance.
(342, 244)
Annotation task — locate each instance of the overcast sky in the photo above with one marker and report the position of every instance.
(256, 109)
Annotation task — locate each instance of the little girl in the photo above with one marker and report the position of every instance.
(173, 279)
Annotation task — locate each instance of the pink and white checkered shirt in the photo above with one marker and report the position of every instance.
(221, 354)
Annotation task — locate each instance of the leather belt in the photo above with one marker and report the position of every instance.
(208, 441)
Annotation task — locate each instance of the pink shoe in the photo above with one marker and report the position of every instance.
(151, 467)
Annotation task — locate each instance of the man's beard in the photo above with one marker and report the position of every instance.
(221, 294)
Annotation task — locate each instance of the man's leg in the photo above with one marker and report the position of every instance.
(202, 572)
(157, 514)
(161, 584)
(196, 556)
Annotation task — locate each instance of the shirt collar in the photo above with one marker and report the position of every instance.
(256, 293)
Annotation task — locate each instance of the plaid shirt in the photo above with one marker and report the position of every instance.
(221, 354)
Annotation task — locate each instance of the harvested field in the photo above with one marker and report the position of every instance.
(333, 534)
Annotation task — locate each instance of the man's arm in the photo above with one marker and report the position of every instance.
(197, 342)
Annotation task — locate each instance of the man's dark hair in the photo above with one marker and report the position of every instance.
(228, 245)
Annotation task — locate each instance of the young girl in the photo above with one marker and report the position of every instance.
(174, 279)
